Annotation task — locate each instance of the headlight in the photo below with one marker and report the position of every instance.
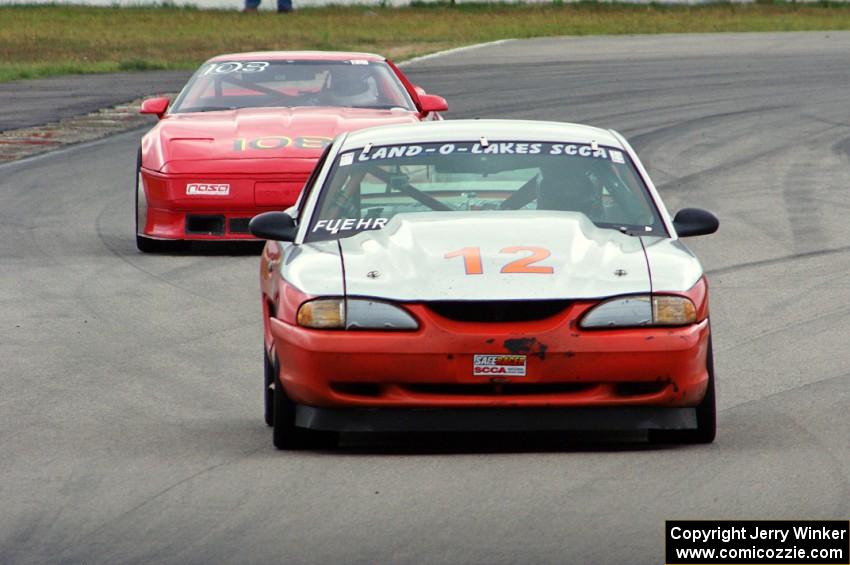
(631, 311)
(325, 313)
(354, 314)
(673, 311)
(373, 315)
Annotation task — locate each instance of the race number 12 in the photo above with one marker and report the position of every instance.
(473, 266)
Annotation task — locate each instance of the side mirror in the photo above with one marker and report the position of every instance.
(276, 226)
(695, 221)
(432, 103)
(419, 90)
(156, 106)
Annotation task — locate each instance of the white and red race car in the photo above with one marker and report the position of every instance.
(484, 275)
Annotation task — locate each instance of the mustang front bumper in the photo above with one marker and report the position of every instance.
(646, 371)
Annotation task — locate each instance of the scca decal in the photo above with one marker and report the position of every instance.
(281, 141)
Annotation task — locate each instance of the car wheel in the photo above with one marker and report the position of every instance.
(268, 388)
(145, 244)
(706, 415)
(285, 434)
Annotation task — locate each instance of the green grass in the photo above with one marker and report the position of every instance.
(38, 41)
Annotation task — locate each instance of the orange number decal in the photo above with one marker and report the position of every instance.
(471, 259)
(525, 265)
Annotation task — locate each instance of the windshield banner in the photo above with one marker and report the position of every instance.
(492, 148)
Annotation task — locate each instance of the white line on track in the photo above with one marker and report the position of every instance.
(70, 147)
(452, 51)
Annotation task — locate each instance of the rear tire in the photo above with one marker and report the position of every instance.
(706, 429)
(285, 434)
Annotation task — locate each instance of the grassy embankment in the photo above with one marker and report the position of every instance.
(37, 41)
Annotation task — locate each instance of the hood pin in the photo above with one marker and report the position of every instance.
(373, 274)
(620, 273)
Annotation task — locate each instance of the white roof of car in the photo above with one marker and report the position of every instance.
(473, 130)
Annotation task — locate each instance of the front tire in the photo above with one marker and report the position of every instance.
(285, 434)
(706, 429)
(146, 244)
(268, 388)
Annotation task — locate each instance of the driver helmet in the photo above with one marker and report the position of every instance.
(351, 84)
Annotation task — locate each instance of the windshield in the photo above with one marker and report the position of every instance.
(367, 187)
(227, 85)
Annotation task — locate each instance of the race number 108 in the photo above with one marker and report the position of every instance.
(235, 67)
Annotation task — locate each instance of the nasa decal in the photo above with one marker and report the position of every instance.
(207, 189)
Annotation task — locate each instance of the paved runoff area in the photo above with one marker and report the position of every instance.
(46, 114)
(130, 388)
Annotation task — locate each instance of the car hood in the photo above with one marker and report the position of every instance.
(406, 260)
(674, 267)
(257, 133)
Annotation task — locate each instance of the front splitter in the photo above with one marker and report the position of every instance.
(494, 419)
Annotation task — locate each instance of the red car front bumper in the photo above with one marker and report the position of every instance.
(173, 207)
(433, 366)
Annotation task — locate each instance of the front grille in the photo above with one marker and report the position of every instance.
(239, 225)
(358, 389)
(499, 389)
(624, 390)
(498, 310)
(204, 225)
(640, 388)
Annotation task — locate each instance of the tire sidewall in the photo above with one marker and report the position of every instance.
(268, 389)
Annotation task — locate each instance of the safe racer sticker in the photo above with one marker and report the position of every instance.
(498, 365)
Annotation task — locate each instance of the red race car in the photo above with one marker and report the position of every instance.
(246, 132)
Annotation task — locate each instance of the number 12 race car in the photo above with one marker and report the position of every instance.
(245, 132)
(484, 275)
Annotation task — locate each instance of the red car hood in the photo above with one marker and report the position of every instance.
(239, 137)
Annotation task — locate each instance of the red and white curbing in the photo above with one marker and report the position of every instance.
(26, 142)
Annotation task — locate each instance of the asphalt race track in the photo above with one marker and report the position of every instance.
(130, 389)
